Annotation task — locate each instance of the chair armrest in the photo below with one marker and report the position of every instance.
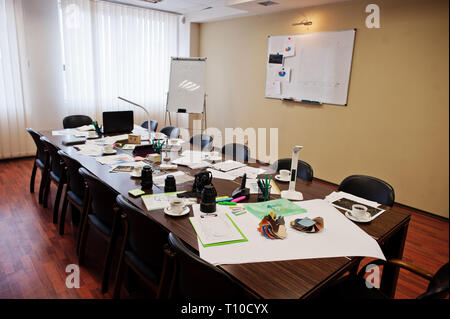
(400, 263)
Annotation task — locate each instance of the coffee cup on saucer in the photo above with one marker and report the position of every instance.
(359, 211)
(284, 176)
(108, 148)
(176, 206)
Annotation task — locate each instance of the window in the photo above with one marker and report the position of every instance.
(112, 50)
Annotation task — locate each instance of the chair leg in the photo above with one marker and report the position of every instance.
(62, 217)
(33, 176)
(108, 261)
(57, 201)
(119, 278)
(83, 240)
(42, 186)
(81, 226)
(46, 191)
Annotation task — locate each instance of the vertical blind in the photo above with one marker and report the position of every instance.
(13, 118)
(113, 50)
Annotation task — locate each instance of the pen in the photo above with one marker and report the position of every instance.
(238, 199)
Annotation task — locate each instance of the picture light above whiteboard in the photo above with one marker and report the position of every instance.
(311, 68)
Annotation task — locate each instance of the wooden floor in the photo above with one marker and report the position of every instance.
(34, 257)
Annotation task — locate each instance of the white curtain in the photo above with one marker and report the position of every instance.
(14, 141)
(113, 50)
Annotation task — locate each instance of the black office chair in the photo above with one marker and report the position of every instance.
(102, 214)
(171, 131)
(57, 174)
(237, 151)
(153, 125)
(304, 170)
(74, 121)
(355, 287)
(370, 188)
(41, 161)
(142, 248)
(201, 140)
(75, 194)
(196, 279)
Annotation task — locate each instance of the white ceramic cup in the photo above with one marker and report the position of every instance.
(359, 211)
(285, 174)
(108, 148)
(177, 206)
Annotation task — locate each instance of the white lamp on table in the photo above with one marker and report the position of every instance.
(146, 112)
(291, 193)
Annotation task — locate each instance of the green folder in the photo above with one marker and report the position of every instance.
(280, 207)
(224, 242)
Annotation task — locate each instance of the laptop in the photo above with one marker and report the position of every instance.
(117, 122)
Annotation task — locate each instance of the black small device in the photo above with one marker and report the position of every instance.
(208, 201)
(118, 122)
(170, 184)
(241, 191)
(202, 179)
(147, 177)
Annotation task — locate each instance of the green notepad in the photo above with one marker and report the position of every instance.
(280, 207)
(243, 239)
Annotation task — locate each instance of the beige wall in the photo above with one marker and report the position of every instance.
(395, 126)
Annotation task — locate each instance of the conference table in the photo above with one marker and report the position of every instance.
(290, 279)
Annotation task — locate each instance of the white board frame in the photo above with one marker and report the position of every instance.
(185, 75)
(320, 68)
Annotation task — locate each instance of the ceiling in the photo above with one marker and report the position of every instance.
(215, 10)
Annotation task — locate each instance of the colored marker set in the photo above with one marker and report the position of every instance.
(238, 210)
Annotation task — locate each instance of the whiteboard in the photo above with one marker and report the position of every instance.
(187, 85)
(315, 67)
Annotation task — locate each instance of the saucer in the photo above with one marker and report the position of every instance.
(110, 153)
(366, 219)
(168, 211)
(278, 178)
(135, 174)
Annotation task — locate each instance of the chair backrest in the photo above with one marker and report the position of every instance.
(197, 279)
(237, 151)
(74, 121)
(55, 160)
(145, 238)
(171, 131)
(201, 140)
(40, 154)
(153, 125)
(368, 187)
(304, 170)
(438, 286)
(102, 198)
(75, 181)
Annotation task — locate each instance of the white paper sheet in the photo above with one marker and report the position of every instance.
(334, 196)
(228, 165)
(180, 178)
(192, 164)
(289, 47)
(218, 174)
(115, 159)
(214, 229)
(69, 131)
(273, 88)
(339, 238)
(252, 172)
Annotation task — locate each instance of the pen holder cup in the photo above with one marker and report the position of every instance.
(264, 196)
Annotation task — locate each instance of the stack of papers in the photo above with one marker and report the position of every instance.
(180, 178)
(89, 149)
(228, 165)
(217, 229)
(191, 163)
(115, 159)
(345, 201)
(86, 128)
(202, 155)
(252, 172)
(221, 175)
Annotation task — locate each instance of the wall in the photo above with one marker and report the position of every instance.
(396, 124)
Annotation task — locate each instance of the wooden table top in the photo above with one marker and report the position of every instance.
(294, 278)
